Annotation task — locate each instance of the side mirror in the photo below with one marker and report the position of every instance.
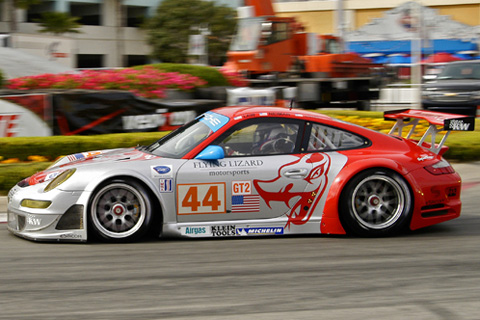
(211, 153)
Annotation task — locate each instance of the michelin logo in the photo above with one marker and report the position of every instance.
(259, 231)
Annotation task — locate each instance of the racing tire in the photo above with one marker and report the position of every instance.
(376, 203)
(120, 211)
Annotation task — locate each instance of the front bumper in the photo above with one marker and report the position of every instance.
(63, 220)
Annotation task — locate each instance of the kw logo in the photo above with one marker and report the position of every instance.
(459, 125)
(8, 124)
(33, 221)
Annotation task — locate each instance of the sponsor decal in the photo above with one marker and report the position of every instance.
(162, 171)
(71, 236)
(464, 124)
(74, 157)
(451, 191)
(241, 187)
(166, 185)
(33, 221)
(223, 231)
(436, 193)
(228, 163)
(259, 231)
(201, 198)
(52, 175)
(214, 120)
(433, 202)
(195, 231)
(83, 155)
(246, 203)
(11, 193)
(425, 157)
(228, 173)
(279, 114)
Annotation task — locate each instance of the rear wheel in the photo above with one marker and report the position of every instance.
(120, 211)
(376, 203)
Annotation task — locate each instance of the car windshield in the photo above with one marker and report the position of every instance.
(181, 141)
(460, 71)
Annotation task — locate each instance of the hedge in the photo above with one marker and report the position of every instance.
(55, 146)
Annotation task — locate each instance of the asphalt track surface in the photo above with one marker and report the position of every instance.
(428, 274)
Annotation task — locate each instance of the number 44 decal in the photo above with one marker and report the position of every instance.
(202, 198)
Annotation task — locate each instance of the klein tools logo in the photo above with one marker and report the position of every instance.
(9, 124)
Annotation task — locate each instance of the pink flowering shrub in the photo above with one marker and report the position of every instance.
(234, 78)
(148, 82)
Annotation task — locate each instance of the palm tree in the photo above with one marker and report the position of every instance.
(120, 14)
(17, 4)
(58, 23)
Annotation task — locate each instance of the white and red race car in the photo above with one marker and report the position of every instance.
(248, 171)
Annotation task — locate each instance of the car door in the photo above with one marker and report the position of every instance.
(263, 174)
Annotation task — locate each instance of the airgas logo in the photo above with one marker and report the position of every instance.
(196, 231)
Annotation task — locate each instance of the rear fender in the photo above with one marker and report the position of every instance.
(330, 219)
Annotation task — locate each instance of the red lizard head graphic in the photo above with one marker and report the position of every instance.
(300, 202)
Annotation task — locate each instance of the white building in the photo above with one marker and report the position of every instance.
(107, 38)
(110, 39)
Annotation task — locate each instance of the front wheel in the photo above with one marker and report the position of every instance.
(120, 211)
(376, 203)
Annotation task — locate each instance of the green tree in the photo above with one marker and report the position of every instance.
(169, 29)
(58, 23)
(25, 4)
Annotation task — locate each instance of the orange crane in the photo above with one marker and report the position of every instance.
(267, 46)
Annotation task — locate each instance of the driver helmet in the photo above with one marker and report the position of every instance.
(266, 132)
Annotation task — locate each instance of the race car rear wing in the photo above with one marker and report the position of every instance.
(448, 122)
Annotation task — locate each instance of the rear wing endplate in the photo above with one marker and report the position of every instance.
(447, 122)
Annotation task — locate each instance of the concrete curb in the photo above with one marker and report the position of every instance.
(3, 204)
(3, 209)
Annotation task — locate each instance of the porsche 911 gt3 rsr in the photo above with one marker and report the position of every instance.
(248, 171)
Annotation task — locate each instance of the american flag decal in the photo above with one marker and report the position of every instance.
(246, 203)
(76, 156)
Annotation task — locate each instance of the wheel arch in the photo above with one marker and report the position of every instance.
(331, 223)
(157, 208)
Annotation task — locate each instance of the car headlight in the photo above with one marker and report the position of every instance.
(35, 204)
(427, 94)
(58, 180)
